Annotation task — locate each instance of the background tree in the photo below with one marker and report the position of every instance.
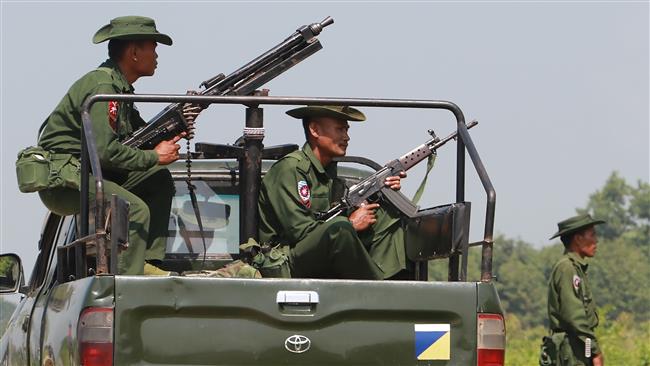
(625, 208)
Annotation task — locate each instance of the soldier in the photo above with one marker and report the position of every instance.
(363, 245)
(135, 175)
(571, 309)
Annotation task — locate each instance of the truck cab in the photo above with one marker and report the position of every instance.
(76, 309)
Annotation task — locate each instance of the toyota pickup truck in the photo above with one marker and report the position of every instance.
(76, 310)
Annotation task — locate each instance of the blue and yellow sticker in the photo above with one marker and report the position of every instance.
(432, 342)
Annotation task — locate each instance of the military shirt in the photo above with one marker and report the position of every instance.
(111, 122)
(571, 307)
(294, 189)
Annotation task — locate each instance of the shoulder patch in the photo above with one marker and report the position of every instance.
(576, 282)
(304, 193)
(112, 114)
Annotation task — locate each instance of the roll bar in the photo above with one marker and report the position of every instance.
(253, 142)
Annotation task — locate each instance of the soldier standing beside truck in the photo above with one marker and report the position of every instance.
(133, 174)
(364, 245)
(571, 309)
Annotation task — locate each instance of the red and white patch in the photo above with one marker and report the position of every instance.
(576, 282)
(304, 193)
(112, 114)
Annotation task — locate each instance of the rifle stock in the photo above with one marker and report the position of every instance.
(243, 81)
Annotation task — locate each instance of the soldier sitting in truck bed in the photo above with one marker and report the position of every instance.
(364, 245)
(135, 175)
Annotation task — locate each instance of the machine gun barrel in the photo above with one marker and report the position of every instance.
(243, 81)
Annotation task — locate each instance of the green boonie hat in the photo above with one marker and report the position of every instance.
(334, 111)
(131, 28)
(574, 224)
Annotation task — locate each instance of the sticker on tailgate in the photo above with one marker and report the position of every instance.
(432, 341)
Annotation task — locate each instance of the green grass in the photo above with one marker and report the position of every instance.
(624, 341)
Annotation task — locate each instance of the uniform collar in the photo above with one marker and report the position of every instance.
(118, 76)
(330, 169)
(577, 259)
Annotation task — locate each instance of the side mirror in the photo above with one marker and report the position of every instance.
(11, 274)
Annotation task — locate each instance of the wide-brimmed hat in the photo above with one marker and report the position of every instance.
(574, 224)
(334, 111)
(131, 28)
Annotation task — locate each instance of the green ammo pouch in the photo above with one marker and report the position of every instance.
(270, 261)
(548, 355)
(38, 169)
(556, 351)
(65, 171)
(33, 169)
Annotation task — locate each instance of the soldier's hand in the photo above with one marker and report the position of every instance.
(363, 217)
(168, 151)
(394, 182)
(598, 360)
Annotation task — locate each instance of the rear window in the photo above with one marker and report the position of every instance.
(218, 205)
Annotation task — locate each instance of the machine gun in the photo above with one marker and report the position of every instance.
(297, 47)
(373, 185)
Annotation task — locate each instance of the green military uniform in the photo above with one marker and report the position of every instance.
(298, 186)
(130, 173)
(571, 307)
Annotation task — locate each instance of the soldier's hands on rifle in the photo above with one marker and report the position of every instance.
(168, 150)
(364, 217)
(190, 112)
(394, 182)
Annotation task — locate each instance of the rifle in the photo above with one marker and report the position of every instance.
(374, 184)
(297, 47)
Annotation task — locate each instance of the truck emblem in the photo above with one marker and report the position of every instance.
(297, 344)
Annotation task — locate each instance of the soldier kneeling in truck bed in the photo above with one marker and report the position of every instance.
(367, 243)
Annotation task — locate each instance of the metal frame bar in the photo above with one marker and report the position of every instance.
(464, 143)
(250, 168)
(90, 157)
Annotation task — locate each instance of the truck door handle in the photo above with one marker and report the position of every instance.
(297, 302)
(297, 297)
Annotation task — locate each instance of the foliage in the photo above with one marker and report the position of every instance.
(626, 210)
(7, 265)
(522, 343)
(623, 341)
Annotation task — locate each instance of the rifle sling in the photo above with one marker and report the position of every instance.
(418, 193)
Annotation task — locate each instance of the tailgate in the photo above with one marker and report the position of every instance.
(209, 321)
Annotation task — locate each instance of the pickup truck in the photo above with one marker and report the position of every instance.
(76, 310)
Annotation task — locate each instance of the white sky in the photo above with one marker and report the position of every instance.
(560, 89)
